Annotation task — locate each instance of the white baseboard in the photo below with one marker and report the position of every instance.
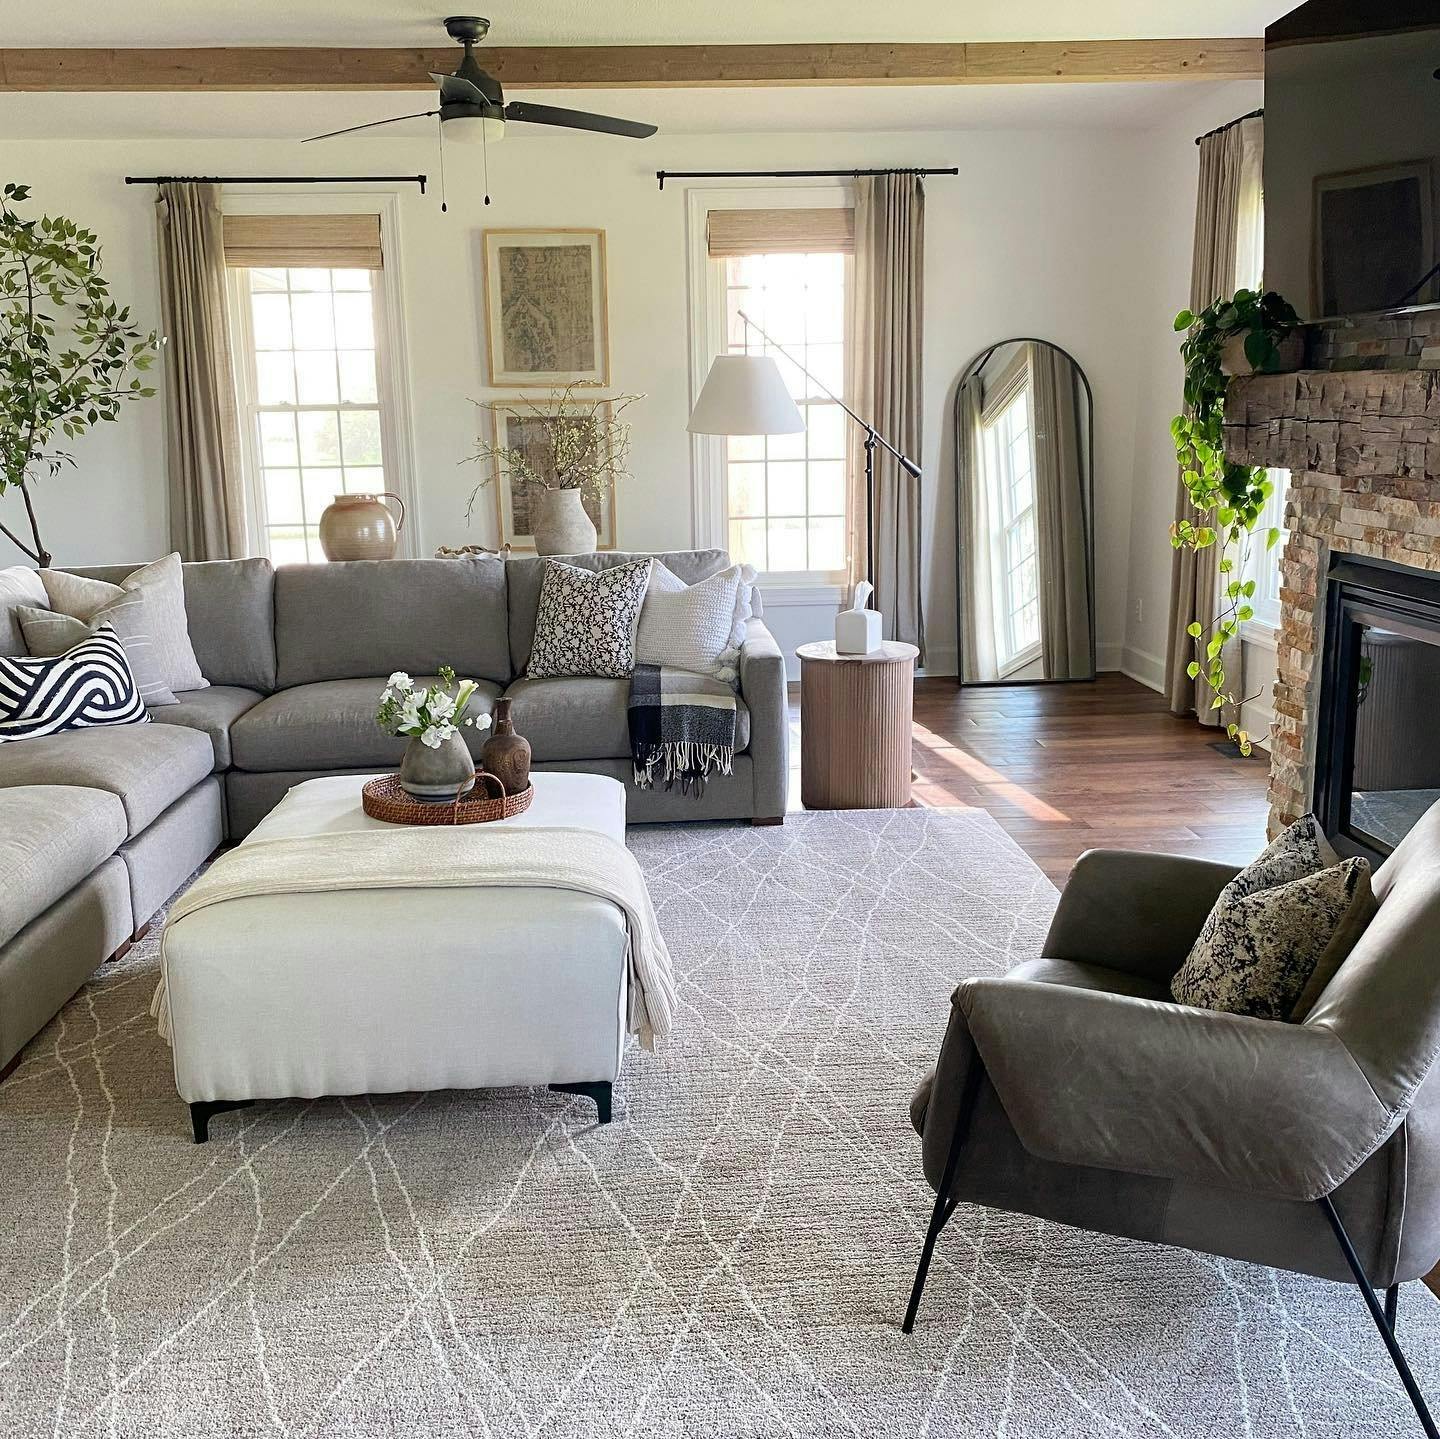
(941, 662)
(1137, 664)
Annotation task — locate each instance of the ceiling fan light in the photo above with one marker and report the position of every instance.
(475, 129)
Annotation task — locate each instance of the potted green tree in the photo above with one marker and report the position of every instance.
(68, 353)
(1249, 333)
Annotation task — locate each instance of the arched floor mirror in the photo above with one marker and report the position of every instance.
(1025, 517)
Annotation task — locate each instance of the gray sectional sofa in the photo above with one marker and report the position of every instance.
(98, 828)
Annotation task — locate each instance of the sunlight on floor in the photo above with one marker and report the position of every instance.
(981, 776)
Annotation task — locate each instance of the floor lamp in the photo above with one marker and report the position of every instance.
(746, 395)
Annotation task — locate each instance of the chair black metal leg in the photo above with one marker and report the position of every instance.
(1384, 1319)
(600, 1092)
(944, 1204)
(201, 1114)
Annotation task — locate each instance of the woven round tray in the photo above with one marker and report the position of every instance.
(384, 799)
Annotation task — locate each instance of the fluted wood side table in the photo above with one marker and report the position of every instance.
(855, 724)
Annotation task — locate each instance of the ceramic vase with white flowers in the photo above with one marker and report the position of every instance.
(437, 764)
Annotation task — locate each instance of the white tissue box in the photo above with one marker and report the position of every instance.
(857, 632)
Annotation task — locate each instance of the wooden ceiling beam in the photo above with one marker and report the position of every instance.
(575, 67)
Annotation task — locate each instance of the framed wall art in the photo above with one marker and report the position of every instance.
(525, 428)
(546, 313)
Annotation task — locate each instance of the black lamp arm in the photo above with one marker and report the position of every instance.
(872, 435)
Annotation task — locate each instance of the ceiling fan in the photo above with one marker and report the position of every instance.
(473, 108)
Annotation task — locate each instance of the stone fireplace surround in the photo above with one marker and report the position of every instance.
(1363, 449)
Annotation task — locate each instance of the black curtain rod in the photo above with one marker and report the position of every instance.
(277, 180)
(663, 175)
(1230, 125)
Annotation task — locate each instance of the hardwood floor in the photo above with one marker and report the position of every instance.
(1066, 768)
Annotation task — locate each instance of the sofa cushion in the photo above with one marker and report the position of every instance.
(230, 607)
(51, 632)
(211, 711)
(369, 617)
(161, 584)
(19, 585)
(51, 837)
(331, 725)
(585, 718)
(523, 578)
(147, 766)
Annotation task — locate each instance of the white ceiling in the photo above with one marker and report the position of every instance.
(292, 116)
(579, 22)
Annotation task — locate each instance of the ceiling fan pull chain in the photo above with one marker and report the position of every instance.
(444, 208)
(485, 155)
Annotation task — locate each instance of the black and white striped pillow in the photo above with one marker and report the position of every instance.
(91, 684)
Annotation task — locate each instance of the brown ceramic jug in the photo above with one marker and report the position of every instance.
(506, 754)
(361, 527)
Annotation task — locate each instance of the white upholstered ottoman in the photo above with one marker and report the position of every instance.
(379, 991)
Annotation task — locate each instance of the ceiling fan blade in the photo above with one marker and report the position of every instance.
(577, 120)
(369, 125)
(457, 90)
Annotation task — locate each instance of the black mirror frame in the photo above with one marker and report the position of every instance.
(1087, 500)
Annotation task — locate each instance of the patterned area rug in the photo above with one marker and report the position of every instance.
(730, 1257)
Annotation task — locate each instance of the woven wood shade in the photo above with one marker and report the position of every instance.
(339, 242)
(779, 232)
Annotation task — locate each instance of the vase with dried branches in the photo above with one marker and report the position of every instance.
(565, 452)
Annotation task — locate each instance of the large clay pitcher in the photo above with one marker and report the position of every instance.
(361, 527)
(562, 527)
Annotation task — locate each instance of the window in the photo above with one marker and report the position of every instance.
(785, 494)
(1014, 565)
(1264, 567)
(314, 413)
(308, 312)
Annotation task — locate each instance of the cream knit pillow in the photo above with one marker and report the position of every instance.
(696, 627)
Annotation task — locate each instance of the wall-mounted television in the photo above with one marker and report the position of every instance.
(1352, 156)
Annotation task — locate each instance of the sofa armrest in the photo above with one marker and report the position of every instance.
(763, 688)
(1131, 1084)
(1134, 911)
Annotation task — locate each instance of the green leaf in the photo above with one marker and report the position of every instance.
(1195, 629)
(1184, 320)
(1272, 538)
(1193, 668)
(1245, 612)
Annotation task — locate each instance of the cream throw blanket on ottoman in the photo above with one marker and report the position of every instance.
(454, 857)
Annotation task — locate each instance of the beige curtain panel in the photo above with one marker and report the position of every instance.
(779, 232)
(1062, 530)
(330, 242)
(1195, 578)
(886, 385)
(206, 489)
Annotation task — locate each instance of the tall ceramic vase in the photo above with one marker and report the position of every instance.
(562, 527)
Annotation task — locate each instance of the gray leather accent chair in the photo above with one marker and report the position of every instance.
(100, 827)
(1073, 1088)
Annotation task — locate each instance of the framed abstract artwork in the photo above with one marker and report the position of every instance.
(527, 428)
(1374, 239)
(546, 312)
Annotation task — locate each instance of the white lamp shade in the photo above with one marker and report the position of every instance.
(745, 395)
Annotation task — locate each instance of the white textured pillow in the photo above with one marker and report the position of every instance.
(696, 627)
(162, 585)
(19, 585)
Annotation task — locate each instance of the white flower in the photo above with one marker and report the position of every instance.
(480, 721)
(432, 737)
(398, 681)
(442, 705)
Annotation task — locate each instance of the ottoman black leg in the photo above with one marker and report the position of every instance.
(201, 1113)
(598, 1091)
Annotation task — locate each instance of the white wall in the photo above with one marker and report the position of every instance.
(1076, 236)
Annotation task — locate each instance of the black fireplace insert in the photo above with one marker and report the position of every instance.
(1377, 753)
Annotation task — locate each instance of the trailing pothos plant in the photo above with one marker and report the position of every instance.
(1228, 499)
(68, 353)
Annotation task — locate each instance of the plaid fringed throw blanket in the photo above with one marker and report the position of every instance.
(682, 727)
